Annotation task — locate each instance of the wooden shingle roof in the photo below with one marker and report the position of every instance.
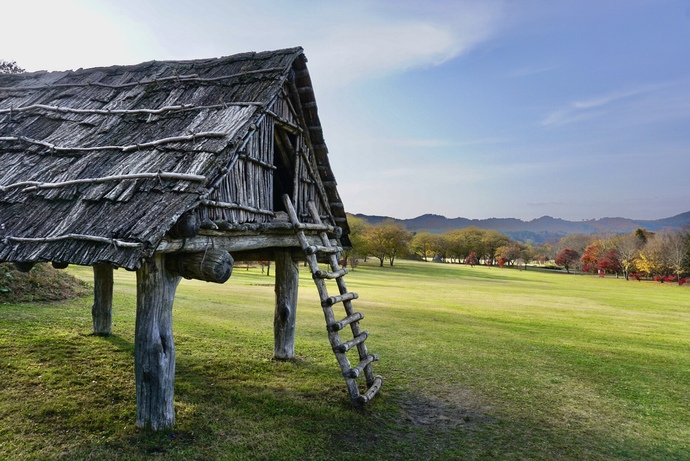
(98, 164)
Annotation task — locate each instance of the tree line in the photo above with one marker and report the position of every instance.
(663, 256)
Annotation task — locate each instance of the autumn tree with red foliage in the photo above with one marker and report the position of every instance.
(610, 262)
(472, 259)
(590, 257)
(566, 258)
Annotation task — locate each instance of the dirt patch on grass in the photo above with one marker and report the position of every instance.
(458, 408)
(41, 283)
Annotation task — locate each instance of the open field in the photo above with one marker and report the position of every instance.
(479, 363)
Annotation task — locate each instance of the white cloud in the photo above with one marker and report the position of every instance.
(600, 105)
(345, 41)
(530, 70)
(371, 44)
(613, 96)
(67, 34)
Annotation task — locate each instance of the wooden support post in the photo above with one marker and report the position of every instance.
(287, 281)
(154, 349)
(102, 309)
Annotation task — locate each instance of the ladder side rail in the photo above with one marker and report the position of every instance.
(359, 337)
(333, 259)
(356, 330)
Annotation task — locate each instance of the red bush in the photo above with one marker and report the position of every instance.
(635, 276)
(682, 281)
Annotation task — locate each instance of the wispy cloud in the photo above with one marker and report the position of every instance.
(530, 70)
(597, 106)
(379, 45)
(614, 96)
(416, 143)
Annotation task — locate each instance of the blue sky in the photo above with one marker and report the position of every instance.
(574, 109)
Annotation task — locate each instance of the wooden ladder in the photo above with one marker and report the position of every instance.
(352, 318)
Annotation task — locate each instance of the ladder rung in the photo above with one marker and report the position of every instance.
(346, 346)
(337, 326)
(330, 275)
(356, 371)
(339, 299)
(371, 392)
(310, 250)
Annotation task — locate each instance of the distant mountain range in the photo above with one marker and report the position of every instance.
(537, 230)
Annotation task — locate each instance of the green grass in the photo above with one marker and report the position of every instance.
(479, 363)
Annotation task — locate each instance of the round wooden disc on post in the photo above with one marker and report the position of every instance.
(210, 266)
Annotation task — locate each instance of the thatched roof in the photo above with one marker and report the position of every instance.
(98, 164)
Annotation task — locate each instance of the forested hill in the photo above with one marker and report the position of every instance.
(538, 230)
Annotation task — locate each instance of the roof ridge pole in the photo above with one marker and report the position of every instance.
(154, 349)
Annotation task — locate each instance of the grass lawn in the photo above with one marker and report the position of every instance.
(479, 363)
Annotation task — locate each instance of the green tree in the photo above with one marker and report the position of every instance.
(526, 254)
(491, 241)
(422, 244)
(387, 240)
(358, 239)
(440, 246)
(642, 235)
(510, 252)
(10, 67)
(457, 245)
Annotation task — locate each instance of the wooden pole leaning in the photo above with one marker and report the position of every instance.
(154, 349)
(287, 281)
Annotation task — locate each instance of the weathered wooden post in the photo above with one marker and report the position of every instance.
(154, 349)
(287, 281)
(102, 309)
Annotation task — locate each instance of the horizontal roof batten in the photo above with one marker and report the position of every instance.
(60, 238)
(161, 110)
(129, 148)
(36, 185)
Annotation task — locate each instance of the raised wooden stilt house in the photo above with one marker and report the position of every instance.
(175, 169)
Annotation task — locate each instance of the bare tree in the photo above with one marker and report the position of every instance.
(628, 247)
(675, 249)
